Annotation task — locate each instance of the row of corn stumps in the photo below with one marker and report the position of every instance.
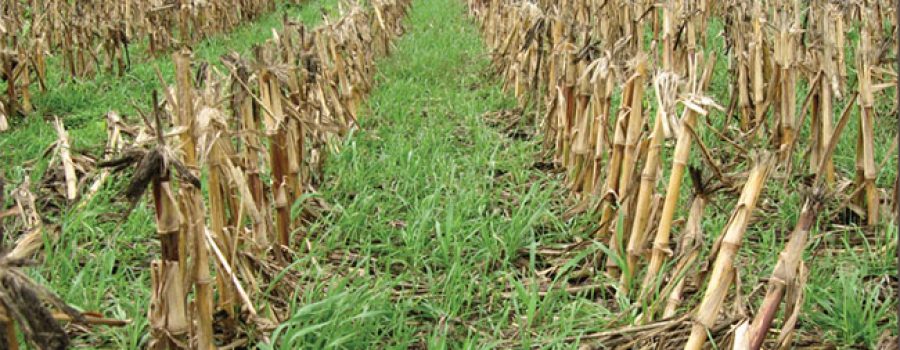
(89, 37)
(616, 86)
(257, 130)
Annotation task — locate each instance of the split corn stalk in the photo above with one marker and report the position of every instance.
(169, 325)
(689, 248)
(785, 47)
(786, 270)
(66, 159)
(723, 273)
(866, 173)
(829, 89)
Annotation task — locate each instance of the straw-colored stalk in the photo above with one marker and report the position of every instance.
(191, 201)
(270, 96)
(231, 275)
(635, 124)
(126, 6)
(519, 70)
(220, 196)
(279, 183)
(697, 12)
(742, 63)
(581, 138)
(866, 173)
(722, 275)
(184, 9)
(343, 83)
(554, 128)
(821, 120)
(665, 85)
(169, 324)
(634, 248)
(832, 46)
(242, 108)
(785, 272)
(558, 48)
(787, 85)
(611, 192)
(537, 52)
(757, 47)
(294, 138)
(39, 63)
(4, 122)
(25, 73)
(333, 92)
(837, 17)
(601, 103)
(566, 108)
(502, 44)
(382, 44)
(63, 145)
(793, 296)
(636, 27)
(330, 104)
(660, 249)
(668, 33)
(689, 247)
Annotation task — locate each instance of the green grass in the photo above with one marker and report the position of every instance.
(438, 206)
(850, 299)
(444, 212)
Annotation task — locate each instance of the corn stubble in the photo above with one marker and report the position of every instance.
(286, 106)
(96, 36)
(622, 89)
(258, 132)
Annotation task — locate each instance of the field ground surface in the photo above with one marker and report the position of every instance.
(442, 208)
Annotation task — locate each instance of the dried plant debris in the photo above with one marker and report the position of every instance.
(510, 122)
(261, 150)
(588, 72)
(56, 188)
(24, 304)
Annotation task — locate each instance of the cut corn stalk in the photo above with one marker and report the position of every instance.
(660, 249)
(785, 271)
(722, 275)
(66, 159)
(688, 247)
